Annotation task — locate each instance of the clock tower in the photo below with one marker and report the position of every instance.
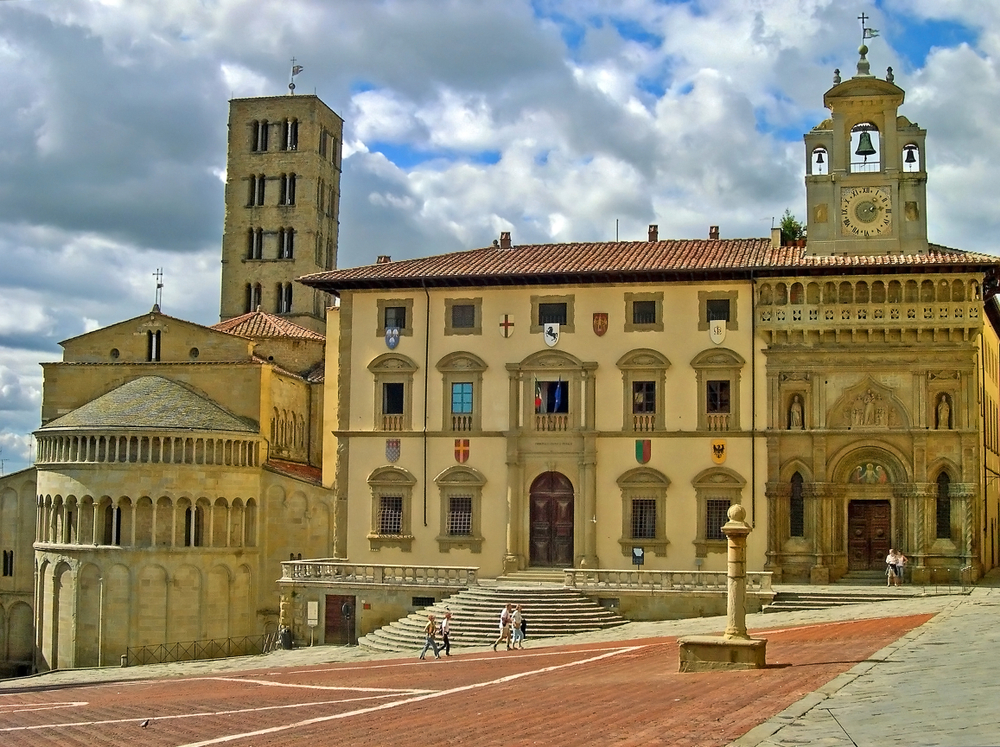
(866, 177)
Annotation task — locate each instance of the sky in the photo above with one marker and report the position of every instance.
(557, 120)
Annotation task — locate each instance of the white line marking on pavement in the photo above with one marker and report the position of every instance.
(416, 699)
(38, 727)
(266, 683)
(22, 707)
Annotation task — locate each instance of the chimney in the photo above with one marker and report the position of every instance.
(654, 232)
(504, 240)
(713, 232)
(775, 238)
(383, 259)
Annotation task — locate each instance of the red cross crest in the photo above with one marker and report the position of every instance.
(506, 326)
(461, 450)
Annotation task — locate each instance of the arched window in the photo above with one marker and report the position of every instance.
(866, 153)
(796, 508)
(943, 507)
(193, 526)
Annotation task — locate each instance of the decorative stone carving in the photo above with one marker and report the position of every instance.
(794, 376)
(943, 413)
(945, 375)
(868, 405)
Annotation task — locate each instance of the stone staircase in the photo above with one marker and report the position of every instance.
(796, 601)
(550, 611)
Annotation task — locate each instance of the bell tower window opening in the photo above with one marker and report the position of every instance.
(255, 243)
(284, 298)
(943, 508)
(866, 152)
(287, 189)
(153, 346)
(258, 136)
(820, 165)
(290, 134)
(911, 158)
(797, 508)
(286, 243)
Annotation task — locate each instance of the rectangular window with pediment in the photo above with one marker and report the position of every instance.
(461, 509)
(644, 515)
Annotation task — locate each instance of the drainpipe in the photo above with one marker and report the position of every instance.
(427, 355)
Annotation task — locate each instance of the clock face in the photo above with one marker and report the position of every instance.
(866, 211)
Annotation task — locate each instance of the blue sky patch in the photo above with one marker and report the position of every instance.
(913, 39)
(408, 157)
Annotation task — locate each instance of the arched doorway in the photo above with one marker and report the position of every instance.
(551, 540)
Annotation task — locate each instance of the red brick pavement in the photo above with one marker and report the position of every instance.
(626, 693)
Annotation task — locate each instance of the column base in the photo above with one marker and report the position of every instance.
(709, 653)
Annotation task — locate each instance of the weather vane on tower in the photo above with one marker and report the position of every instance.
(296, 69)
(866, 33)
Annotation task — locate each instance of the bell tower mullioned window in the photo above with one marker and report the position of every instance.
(866, 181)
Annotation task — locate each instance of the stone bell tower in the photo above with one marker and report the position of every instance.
(866, 173)
(282, 206)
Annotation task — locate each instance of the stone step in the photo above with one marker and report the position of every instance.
(476, 613)
(789, 601)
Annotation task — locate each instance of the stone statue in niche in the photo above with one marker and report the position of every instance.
(795, 421)
(870, 474)
(943, 413)
(869, 409)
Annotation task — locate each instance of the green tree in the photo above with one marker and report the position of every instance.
(791, 229)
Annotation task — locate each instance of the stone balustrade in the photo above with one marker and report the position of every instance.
(624, 580)
(339, 572)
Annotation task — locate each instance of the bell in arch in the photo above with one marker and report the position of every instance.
(911, 156)
(865, 147)
(819, 157)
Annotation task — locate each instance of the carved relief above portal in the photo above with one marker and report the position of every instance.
(868, 405)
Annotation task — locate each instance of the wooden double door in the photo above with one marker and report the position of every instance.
(551, 517)
(339, 619)
(869, 525)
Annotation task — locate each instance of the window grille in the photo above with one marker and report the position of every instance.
(390, 514)
(460, 515)
(796, 508)
(717, 309)
(943, 508)
(644, 518)
(463, 316)
(552, 313)
(716, 514)
(644, 312)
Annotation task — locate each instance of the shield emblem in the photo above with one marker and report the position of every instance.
(392, 449)
(392, 337)
(506, 326)
(461, 450)
(600, 323)
(717, 330)
(550, 331)
(718, 451)
(643, 450)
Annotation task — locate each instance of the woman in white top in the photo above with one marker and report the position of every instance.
(890, 571)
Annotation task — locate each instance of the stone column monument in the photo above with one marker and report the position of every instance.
(735, 649)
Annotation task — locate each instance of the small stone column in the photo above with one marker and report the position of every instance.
(736, 531)
(735, 649)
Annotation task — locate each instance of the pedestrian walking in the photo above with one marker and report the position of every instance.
(430, 631)
(446, 633)
(890, 568)
(517, 627)
(505, 619)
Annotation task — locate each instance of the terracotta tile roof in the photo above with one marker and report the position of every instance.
(619, 260)
(258, 324)
(153, 402)
(304, 472)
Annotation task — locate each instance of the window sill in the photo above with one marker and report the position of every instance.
(656, 546)
(703, 547)
(460, 542)
(403, 541)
